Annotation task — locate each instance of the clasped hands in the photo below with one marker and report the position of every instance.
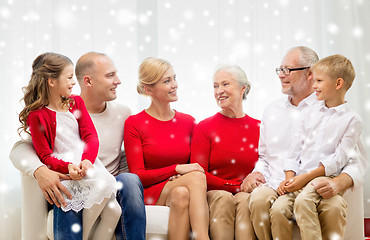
(78, 172)
(182, 169)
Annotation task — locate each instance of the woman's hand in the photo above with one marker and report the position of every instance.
(174, 177)
(85, 165)
(74, 172)
(186, 168)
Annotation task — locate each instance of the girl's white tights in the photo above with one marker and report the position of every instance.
(104, 217)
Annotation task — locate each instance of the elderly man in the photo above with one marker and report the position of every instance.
(275, 138)
(97, 77)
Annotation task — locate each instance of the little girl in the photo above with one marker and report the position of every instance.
(66, 141)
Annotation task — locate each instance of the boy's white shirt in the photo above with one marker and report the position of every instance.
(326, 136)
(276, 134)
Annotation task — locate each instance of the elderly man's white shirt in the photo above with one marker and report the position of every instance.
(276, 137)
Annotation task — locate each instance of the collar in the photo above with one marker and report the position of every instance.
(338, 109)
(308, 101)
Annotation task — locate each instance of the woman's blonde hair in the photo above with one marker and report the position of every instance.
(151, 71)
(45, 66)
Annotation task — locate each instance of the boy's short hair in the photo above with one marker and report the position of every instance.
(337, 66)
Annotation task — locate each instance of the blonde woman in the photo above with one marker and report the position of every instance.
(157, 144)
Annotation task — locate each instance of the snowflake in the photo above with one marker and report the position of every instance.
(119, 185)
(175, 34)
(306, 9)
(217, 139)
(112, 204)
(335, 236)
(333, 28)
(188, 15)
(284, 2)
(148, 39)
(357, 32)
(240, 49)
(124, 17)
(143, 19)
(299, 35)
(77, 114)
(24, 162)
(182, 25)
(5, 12)
(229, 34)
(367, 105)
(3, 187)
(167, 5)
(150, 201)
(31, 17)
(64, 18)
(367, 141)
(76, 228)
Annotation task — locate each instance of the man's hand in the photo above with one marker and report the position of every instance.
(326, 188)
(253, 180)
(50, 185)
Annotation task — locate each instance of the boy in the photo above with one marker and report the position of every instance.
(327, 137)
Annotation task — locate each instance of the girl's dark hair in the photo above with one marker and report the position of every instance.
(45, 66)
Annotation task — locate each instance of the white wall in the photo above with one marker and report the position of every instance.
(193, 35)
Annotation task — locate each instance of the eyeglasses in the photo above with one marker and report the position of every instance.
(286, 71)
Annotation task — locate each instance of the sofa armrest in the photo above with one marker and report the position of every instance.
(355, 216)
(34, 210)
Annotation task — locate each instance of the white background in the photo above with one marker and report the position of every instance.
(194, 35)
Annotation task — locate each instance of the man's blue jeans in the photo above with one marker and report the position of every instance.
(67, 225)
(131, 199)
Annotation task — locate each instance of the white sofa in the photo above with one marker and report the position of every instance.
(37, 222)
(37, 225)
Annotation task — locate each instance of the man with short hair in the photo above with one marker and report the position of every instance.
(275, 138)
(97, 77)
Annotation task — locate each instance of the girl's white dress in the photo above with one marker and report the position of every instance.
(98, 182)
